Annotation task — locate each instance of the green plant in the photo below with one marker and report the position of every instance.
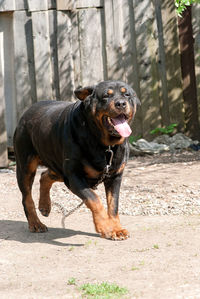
(103, 290)
(134, 138)
(155, 246)
(182, 4)
(71, 281)
(165, 130)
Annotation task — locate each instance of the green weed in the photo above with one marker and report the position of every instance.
(103, 290)
(165, 130)
(71, 281)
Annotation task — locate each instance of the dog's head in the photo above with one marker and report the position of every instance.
(112, 106)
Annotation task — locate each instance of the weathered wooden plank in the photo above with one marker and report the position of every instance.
(90, 40)
(71, 4)
(37, 5)
(7, 5)
(10, 5)
(52, 4)
(65, 62)
(76, 50)
(54, 53)
(21, 5)
(196, 35)
(30, 56)
(41, 42)
(147, 58)
(21, 64)
(89, 3)
(65, 4)
(170, 63)
(131, 72)
(114, 39)
(3, 134)
(6, 25)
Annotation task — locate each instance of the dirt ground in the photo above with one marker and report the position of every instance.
(161, 259)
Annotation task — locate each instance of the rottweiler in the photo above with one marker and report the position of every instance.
(82, 144)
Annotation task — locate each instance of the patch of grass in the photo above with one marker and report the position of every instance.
(155, 246)
(71, 281)
(103, 290)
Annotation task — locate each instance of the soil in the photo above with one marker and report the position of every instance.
(161, 259)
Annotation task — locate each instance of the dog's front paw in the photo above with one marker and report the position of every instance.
(37, 227)
(116, 235)
(111, 229)
(121, 234)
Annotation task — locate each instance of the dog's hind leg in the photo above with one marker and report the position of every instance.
(46, 181)
(25, 177)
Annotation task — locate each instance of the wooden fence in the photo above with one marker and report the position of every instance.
(49, 47)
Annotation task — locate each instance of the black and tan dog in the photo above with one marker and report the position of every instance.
(82, 144)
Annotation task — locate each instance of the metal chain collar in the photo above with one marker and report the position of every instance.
(106, 169)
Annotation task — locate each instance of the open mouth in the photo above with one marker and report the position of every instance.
(118, 126)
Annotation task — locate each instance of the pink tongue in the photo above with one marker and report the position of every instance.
(121, 126)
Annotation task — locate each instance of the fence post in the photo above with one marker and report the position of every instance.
(3, 134)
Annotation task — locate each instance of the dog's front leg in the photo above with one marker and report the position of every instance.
(104, 224)
(112, 188)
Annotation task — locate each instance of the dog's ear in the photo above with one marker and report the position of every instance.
(137, 101)
(83, 93)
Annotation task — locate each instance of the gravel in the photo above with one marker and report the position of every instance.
(159, 185)
(152, 185)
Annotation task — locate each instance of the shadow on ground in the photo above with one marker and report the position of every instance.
(18, 231)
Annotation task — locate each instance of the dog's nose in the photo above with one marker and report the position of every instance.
(120, 104)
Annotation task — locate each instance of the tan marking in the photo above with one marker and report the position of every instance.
(123, 89)
(110, 203)
(91, 172)
(33, 164)
(108, 226)
(34, 223)
(121, 168)
(46, 181)
(82, 94)
(110, 91)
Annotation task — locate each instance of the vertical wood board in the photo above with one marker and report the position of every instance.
(37, 5)
(7, 5)
(147, 46)
(54, 54)
(76, 50)
(71, 4)
(172, 67)
(3, 133)
(114, 39)
(65, 61)
(90, 41)
(41, 42)
(130, 59)
(6, 25)
(65, 4)
(196, 34)
(21, 71)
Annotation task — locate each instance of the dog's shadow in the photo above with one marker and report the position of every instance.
(18, 231)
